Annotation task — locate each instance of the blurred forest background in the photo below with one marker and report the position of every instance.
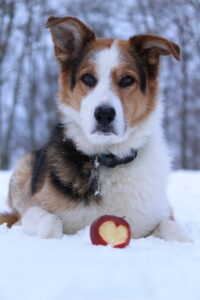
(29, 73)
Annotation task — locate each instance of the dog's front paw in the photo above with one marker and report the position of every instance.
(50, 227)
(170, 231)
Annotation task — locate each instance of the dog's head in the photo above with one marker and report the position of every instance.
(107, 86)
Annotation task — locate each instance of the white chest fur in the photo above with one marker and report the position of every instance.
(136, 190)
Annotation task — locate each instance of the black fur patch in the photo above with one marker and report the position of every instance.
(75, 65)
(142, 72)
(69, 190)
(74, 68)
(64, 187)
(39, 169)
(69, 170)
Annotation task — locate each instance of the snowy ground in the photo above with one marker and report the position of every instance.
(73, 269)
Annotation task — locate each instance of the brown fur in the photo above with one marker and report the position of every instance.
(9, 218)
(47, 196)
(68, 96)
(19, 188)
(51, 199)
(136, 104)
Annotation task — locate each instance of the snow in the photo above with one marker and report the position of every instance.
(72, 268)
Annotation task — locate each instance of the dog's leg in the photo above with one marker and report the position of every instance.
(38, 222)
(170, 231)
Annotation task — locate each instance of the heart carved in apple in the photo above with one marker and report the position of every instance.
(110, 230)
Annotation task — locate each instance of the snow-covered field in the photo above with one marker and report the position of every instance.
(73, 269)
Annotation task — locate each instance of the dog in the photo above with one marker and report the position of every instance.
(107, 154)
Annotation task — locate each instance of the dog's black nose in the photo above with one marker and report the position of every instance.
(104, 115)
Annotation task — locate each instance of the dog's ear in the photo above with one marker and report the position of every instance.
(150, 47)
(69, 36)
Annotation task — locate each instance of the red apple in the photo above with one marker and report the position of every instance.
(110, 230)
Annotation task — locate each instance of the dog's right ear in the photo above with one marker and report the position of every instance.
(69, 36)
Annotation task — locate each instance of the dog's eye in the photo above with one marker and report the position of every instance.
(126, 81)
(89, 80)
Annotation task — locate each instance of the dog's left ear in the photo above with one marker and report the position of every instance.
(150, 47)
(154, 46)
(69, 36)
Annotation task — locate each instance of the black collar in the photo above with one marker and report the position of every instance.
(108, 160)
(111, 161)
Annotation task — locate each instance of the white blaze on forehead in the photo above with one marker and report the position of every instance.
(106, 60)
